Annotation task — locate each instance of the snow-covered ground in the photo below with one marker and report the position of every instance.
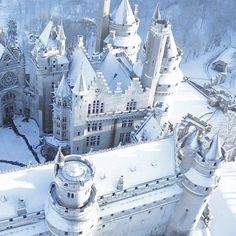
(13, 147)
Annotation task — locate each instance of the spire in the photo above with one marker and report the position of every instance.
(157, 15)
(59, 158)
(45, 35)
(214, 151)
(80, 85)
(123, 15)
(63, 89)
(61, 33)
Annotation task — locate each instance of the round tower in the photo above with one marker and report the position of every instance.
(72, 208)
(123, 30)
(170, 74)
(197, 184)
(154, 50)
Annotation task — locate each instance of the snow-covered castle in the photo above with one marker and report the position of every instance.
(153, 188)
(92, 103)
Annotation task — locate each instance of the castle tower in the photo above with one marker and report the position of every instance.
(198, 184)
(62, 111)
(154, 51)
(170, 74)
(49, 63)
(72, 208)
(123, 29)
(103, 24)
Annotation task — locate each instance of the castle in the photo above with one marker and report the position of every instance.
(160, 187)
(84, 103)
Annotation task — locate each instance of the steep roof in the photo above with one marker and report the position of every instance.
(214, 151)
(63, 89)
(80, 63)
(45, 35)
(123, 15)
(114, 72)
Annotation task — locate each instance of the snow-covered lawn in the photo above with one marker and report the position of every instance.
(13, 147)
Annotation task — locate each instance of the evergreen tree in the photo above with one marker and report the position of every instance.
(12, 33)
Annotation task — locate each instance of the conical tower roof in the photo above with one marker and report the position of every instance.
(59, 158)
(79, 85)
(63, 89)
(123, 15)
(45, 35)
(156, 16)
(214, 151)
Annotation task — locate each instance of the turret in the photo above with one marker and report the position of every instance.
(62, 110)
(61, 39)
(72, 207)
(103, 24)
(124, 22)
(154, 51)
(197, 183)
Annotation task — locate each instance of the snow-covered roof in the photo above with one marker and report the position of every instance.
(138, 164)
(114, 73)
(150, 129)
(123, 15)
(171, 48)
(80, 63)
(214, 151)
(63, 89)
(227, 56)
(45, 35)
(124, 41)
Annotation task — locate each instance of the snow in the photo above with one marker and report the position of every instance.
(188, 100)
(223, 203)
(150, 130)
(8, 138)
(228, 56)
(55, 142)
(45, 35)
(123, 15)
(80, 63)
(174, 77)
(114, 73)
(138, 164)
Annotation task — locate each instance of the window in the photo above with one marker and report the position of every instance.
(130, 123)
(53, 84)
(64, 127)
(96, 107)
(127, 137)
(92, 141)
(124, 124)
(131, 105)
(89, 109)
(78, 133)
(64, 103)
(121, 138)
(64, 119)
(94, 126)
